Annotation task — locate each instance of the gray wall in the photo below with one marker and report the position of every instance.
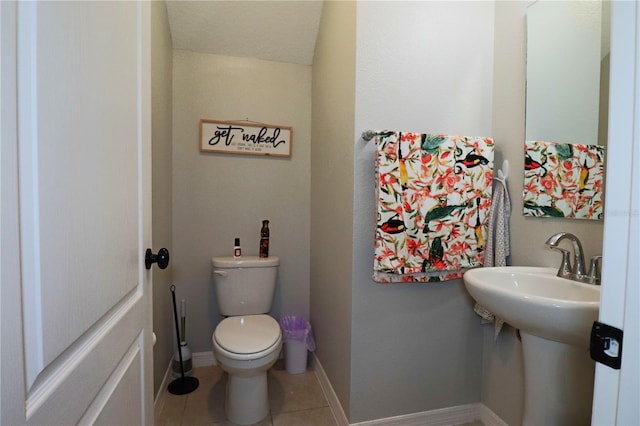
(421, 347)
(421, 66)
(161, 70)
(217, 197)
(332, 193)
(502, 369)
(412, 347)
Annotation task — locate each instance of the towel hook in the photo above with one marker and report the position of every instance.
(503, 173)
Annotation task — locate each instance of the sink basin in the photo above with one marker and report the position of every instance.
(554, 316)
(536, 301)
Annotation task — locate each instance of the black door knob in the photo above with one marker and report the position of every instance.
(162, 258)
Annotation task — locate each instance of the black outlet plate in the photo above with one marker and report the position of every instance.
(606, 345)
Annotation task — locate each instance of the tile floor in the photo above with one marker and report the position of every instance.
(295, 399)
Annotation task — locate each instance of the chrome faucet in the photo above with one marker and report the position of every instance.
(578, 254)
(594, 271)
(574, 270)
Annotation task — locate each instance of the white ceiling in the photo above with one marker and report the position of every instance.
(282, 31)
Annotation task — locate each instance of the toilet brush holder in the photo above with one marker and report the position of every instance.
(183, 384)
(186, 361)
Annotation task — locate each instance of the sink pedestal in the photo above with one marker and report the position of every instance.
(558, 382)
(554, 316)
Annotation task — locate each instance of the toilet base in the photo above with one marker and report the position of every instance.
(247, 399)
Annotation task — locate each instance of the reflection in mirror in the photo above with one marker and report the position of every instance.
(563, 180)
(566, 106)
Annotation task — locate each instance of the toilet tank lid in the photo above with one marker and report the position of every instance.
(245, 262)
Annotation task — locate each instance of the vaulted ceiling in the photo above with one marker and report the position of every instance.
(282, 31)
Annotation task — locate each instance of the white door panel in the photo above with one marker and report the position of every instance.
(81, 169)
(64, 389)
(119, 403)
(76, 194)
(617, 392)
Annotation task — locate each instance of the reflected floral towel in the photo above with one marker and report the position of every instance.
(433, 199)
(563, 180)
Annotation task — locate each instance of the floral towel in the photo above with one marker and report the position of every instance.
(434, 194)
(563, 180)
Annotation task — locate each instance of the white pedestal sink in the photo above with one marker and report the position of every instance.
(554, 316)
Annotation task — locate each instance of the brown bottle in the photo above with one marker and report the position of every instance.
(264, 239)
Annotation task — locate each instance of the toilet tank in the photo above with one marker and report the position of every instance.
(244, 286)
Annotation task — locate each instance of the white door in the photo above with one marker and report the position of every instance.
(617, 392)
(76, 305)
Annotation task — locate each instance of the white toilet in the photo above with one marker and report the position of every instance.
(248, 342)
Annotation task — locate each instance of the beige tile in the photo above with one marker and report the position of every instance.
(210, 371)
(172, 411)
(293, 392)
(265, 422)
(205, 405)
(312, 417)
(295, 399)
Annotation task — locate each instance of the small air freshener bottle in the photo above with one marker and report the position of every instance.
(237, 250)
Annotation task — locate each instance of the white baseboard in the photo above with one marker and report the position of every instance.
(161, 396)
(489, 418)
(203, 359)
(441, 417)
(329, 393)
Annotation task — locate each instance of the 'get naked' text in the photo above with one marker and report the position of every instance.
(264, 135)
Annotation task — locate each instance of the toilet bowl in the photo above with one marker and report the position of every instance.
(248, 341)
(246, 347)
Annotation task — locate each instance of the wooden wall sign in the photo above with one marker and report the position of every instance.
(240, 137)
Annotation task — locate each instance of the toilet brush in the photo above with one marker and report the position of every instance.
(181, 385)
(184, 349)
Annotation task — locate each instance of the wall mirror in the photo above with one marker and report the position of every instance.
(566, 108)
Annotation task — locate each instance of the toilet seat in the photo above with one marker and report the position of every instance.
(247, 336)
